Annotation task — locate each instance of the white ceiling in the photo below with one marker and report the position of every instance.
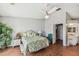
(71, 8)
(30, 10)
(35, 10)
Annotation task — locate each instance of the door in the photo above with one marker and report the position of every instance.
(60, 31)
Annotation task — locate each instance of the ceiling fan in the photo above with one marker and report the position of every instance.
(50, 11)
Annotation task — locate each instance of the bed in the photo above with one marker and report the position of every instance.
(33, 43)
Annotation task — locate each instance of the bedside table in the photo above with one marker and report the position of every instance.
(16, 42)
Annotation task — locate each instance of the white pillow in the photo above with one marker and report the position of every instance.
(31, 33)
(24, 34)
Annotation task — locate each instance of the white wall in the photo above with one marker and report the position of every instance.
(24, 24)
(68, 17)
(58, 17)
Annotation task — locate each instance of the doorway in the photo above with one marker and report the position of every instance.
(59, 33)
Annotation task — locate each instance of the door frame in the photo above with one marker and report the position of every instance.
(54, 33)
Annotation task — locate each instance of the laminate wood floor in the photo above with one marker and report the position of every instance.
(53, 50)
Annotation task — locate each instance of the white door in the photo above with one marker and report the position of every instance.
(54, 33)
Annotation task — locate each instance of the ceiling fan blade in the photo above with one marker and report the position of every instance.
(53, 10)
(58, 9)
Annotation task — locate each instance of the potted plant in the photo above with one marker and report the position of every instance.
(5, 35)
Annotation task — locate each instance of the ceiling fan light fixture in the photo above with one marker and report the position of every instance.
(47, 16)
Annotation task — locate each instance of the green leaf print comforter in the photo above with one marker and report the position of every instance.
(33, 44)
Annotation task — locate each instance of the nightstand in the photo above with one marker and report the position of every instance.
(15, 42)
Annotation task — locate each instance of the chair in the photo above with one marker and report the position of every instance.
(50, 37)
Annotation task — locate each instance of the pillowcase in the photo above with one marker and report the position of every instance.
(24, 34)
(31, 33)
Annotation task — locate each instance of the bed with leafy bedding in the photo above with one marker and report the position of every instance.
(33, 43)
